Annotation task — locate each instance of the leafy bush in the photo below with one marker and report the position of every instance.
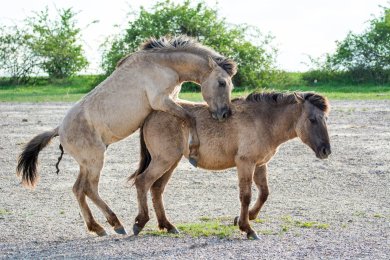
(245, 44)
(359, 58)
(41, 45)
(16, 58)
(55, 42)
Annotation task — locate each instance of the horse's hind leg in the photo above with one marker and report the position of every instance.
(78, 190)
(160, 102)
(93, 194)
(261, 181)
(157, 190)
(93, 168)
(87, 185)
(143, 183)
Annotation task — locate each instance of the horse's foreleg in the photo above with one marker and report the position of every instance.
(245, 175)
(168, 105)
(261, 181)
(157, 190)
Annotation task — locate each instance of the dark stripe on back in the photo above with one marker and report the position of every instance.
(278, 98)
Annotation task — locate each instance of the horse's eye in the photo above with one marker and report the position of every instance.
(222, 83)
(312, 120)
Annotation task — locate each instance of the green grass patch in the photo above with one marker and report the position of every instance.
(208, 229)
(289, 222)
(258, 220)
(205, 219)
(359, 214)
(73, 89)
(285, 228)
(310, 224)
(70, 90)
(5, 212)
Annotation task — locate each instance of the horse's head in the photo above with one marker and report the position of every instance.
(217, 88)
(311, 127)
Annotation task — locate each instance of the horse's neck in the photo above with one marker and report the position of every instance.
(189, 66)
(283, 123)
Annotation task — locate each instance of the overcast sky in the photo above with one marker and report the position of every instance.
(300, 27)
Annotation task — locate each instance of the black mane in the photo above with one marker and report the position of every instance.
(183, 42)
(276, 98)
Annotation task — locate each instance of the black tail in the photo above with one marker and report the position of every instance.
(59, 158)
(28, 159)
(145, 157)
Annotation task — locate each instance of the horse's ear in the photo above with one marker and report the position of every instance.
(212, 63)
(299, 98)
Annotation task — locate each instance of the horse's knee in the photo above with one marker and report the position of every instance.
(139, 181)
(264, 194)
(156, 191)
(77, 190)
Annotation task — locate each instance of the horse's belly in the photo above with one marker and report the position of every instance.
(115, 129)
(216, 164)
(214, 156)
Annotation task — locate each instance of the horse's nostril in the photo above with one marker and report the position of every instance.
(225, 115)
(325, 150)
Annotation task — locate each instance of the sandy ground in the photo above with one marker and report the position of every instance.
(347, 194)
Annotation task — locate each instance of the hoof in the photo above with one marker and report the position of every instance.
(235, 222)
(252, 236)
(136, 229)
(102, 233)
(121, 231)
(193, 161)
(173, 231)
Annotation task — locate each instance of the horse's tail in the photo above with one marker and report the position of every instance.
(28, 159)
(145, 157)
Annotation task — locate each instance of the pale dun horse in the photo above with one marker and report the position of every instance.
(149, 79)
(247, 140)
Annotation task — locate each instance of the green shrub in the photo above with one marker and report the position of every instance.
(245, 44)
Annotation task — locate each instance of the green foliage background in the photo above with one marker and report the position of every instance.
(55, 42)
(42, 44)
(245, 44)
(359, 58)
(51, 44)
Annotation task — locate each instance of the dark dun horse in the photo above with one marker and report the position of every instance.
(247, 140)
(149, 79)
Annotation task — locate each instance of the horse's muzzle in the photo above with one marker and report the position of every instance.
(323, 151)
(222, 114)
